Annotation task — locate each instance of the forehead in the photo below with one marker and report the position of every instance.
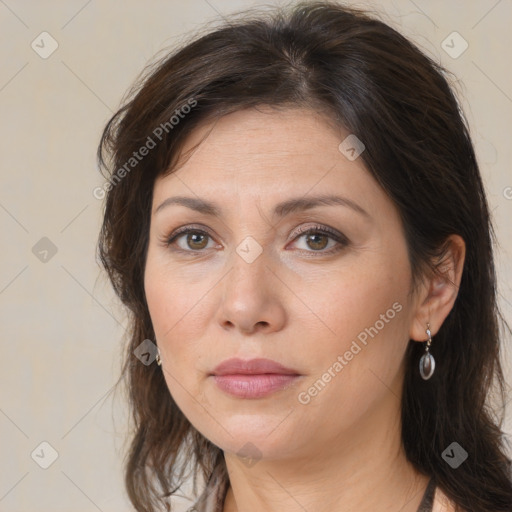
(268, 153)
(264, 133)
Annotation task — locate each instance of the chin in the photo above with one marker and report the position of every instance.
(254, 436)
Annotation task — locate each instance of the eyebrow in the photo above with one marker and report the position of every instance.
(281, 209)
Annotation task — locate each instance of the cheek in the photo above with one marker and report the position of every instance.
(177, 307)
(174, 318)
(354, 297)
(173, 297)
(366, 310)
(173, 329)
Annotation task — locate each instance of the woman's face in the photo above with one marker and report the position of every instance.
(247, 281)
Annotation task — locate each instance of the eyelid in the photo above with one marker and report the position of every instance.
(189, 227)
(319, 228)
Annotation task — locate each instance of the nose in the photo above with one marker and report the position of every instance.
(252, 298)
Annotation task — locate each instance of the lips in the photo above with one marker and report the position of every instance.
(256, 378)
(237, 366)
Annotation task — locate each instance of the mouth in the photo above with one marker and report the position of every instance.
(255, 378)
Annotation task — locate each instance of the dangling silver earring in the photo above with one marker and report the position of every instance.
(427, 361)
(158, 359)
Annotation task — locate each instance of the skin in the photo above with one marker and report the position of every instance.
(296, 304)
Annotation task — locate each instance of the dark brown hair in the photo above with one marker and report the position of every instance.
(379, 86)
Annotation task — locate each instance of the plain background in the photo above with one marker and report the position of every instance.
(61, 326)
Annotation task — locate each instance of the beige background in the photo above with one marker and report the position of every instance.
(61, 326)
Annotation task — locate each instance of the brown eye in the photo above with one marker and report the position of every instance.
(190, 240)
(320, 239)
(197, 240)
(317, 241)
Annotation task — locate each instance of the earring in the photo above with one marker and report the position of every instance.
(158, 359)
(427, 361)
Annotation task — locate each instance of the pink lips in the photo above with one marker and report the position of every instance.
(255, 378)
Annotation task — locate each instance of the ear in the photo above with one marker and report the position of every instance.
(438, 293)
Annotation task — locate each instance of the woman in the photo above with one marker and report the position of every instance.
(296, 219)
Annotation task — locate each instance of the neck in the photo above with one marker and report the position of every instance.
(363, 470)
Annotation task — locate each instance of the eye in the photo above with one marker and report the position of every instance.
(321, 239)
(190, 240)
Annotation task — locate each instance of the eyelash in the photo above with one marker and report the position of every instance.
(316, 229)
